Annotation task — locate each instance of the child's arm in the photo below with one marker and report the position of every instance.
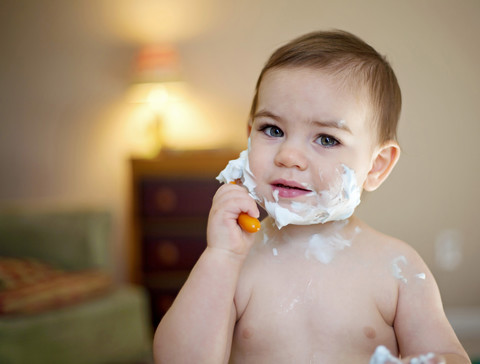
(420, 322)
(198, 328)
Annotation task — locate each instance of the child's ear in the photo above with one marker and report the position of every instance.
(384, 160)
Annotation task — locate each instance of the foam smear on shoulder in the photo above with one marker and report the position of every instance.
(337, 203)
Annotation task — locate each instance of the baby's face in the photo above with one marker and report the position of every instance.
(305, 131)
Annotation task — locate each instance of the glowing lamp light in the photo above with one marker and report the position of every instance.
(158, 86)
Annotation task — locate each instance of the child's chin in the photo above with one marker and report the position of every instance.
(295, 205)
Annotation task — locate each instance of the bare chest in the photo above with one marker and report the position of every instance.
(312, 313)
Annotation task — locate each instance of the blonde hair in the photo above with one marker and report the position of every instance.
(356, 64)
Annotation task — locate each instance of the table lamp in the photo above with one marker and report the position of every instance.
(157, 84)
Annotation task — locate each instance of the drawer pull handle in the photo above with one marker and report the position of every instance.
(168, 253)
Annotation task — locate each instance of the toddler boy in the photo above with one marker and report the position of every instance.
(315, 284)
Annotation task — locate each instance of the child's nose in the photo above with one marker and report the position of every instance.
(291, 156)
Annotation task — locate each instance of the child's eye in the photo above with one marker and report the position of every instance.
(327, 141)
(272, 131)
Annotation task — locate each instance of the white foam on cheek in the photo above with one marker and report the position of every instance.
(239, 169)
(337, 203)
(343, 201)
(234, 169)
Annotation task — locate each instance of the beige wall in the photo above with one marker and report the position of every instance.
(65, 132)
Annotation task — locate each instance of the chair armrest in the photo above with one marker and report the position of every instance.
(71, 240)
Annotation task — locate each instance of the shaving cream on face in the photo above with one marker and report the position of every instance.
(239, 169)
(336, 203)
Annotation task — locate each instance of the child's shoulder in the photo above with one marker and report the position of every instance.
(400, 255)
(388, 241)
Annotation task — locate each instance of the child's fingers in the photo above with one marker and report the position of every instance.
(425, 359)
(247, 223)
(233, 200)
(223, 229)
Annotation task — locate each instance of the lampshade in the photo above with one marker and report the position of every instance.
(157, 64)
(157, 75)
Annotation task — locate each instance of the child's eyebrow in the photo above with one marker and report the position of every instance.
(340, 124)
(266, 114)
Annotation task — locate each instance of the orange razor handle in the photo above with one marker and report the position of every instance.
(248, 223)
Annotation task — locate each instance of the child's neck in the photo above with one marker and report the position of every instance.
(319, 242)
(322, 228)
(304, 233)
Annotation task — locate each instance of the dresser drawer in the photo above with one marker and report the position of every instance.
(163, 289)
(161, 300)
(171, 197)
(176, 197)
(172, 252)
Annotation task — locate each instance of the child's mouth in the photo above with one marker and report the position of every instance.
(287, 189)
(280, 185)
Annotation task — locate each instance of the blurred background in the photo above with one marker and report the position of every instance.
(68, 126)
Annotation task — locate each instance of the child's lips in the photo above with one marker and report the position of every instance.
(289, 189)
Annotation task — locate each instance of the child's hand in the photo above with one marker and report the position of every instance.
(223, 231)
(383, 356)
(425, 359)
(246, 222)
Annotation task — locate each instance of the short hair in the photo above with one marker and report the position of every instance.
(358, 66)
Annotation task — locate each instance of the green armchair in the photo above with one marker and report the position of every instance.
(71, 312)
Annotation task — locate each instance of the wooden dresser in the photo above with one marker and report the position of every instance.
(171, 199)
